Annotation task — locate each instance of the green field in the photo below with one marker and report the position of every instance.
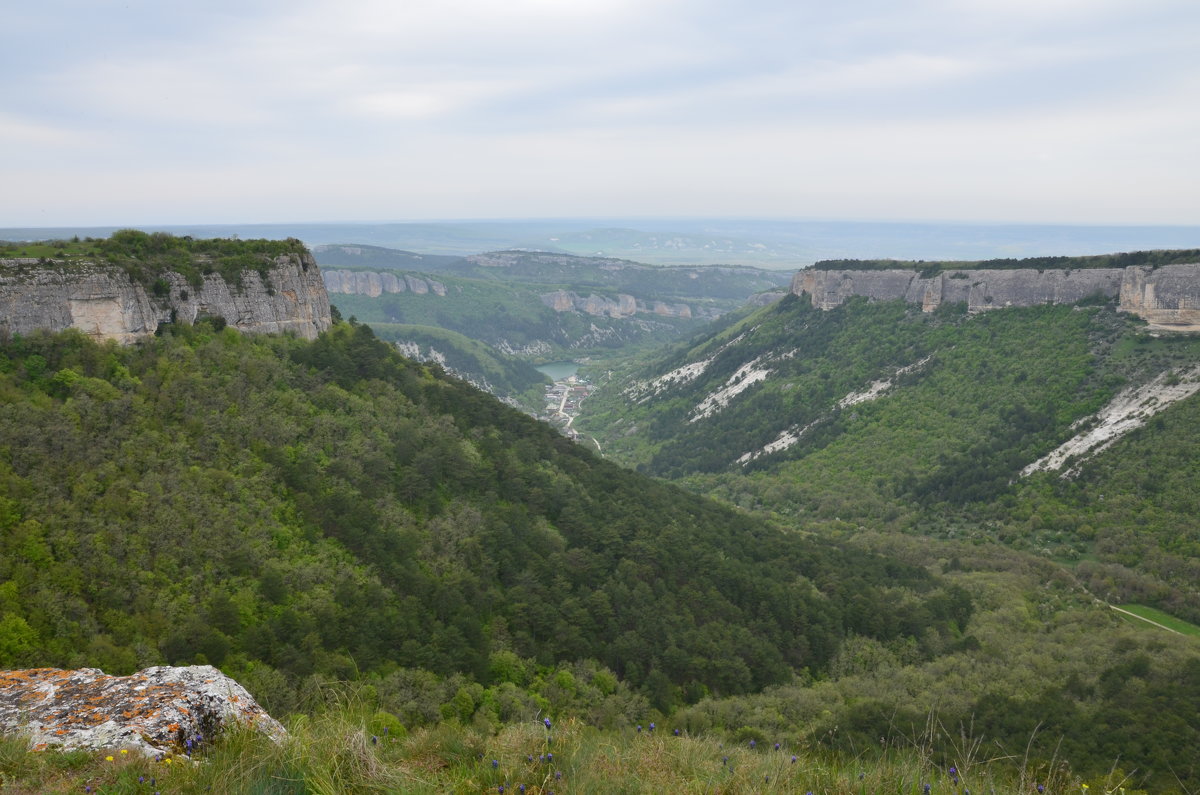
(345, 751)
(1159, 617)
(59, 248)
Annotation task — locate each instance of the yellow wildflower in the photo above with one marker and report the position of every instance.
(108, 759)
(124, 750)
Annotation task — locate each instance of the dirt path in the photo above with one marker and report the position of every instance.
(1143, 618)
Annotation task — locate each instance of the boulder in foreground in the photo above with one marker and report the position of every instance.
(157, 710)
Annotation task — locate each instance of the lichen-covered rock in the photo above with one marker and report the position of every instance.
(158, 710)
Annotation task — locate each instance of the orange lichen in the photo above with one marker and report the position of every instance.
(68, 707)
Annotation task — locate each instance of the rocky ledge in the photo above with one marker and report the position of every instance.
(103, 302)
(157, 710)
(1166, 296)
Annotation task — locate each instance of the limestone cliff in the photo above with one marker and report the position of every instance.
(102, 301)
(1167, 296)
(621, 306)
(376, 284)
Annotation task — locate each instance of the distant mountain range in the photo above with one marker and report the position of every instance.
(764, 243)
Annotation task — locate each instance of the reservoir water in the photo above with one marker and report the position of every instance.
(558, 370)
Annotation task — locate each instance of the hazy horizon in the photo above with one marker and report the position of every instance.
(699, 241)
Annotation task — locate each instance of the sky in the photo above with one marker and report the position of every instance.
(223, 111)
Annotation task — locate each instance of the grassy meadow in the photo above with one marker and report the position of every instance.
(342, 752)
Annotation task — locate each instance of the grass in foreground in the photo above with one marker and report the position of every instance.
(337, 753)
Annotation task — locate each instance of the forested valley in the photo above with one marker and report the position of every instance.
(885, 427)
(887, 596)
(289, 510)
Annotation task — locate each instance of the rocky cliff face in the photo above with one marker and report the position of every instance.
(1167, 297)
(376, 284)
(157, 710)
(621, 306)
(103, 302)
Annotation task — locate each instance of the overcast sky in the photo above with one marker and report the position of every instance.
(147, 112)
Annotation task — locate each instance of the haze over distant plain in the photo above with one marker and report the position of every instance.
(1024, 111)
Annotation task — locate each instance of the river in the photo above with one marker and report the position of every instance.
(558, 371)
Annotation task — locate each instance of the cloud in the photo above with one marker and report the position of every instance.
(26, 134)
(372, 108)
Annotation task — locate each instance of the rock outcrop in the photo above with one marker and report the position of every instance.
(621, 306)
(157, 710)
(1167, 296)
(103, 302)
(376, 284)
(563, 301)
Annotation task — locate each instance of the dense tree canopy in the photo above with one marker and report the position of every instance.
(272, 504)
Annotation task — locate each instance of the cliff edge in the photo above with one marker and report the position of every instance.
(1167, 296)
(102, 300)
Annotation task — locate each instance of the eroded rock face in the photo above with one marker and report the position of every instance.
(157, 710)
(374, 285)
(104, 303)
(1167, 296)
(620, 307)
